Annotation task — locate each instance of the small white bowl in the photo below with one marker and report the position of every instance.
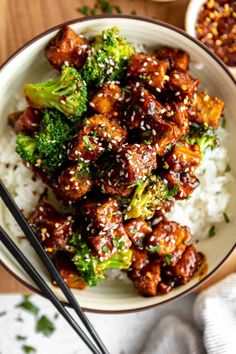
(28, 64)
(191, 16)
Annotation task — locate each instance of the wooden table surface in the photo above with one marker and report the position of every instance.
(20, 20)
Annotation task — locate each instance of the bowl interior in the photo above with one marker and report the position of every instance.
(29, 65)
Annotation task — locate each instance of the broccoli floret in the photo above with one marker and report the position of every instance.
(204, 136)
(47, 147)
(68, 94)
(148, 197)
(26, 148)
(108, 58)
(90, 267)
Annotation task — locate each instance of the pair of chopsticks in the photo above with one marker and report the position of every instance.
(39, 281)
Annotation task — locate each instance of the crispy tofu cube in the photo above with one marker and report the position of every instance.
(137, 229)
(73, 183)
(184, 158)
(139, 260)
(113, 184)
(53, 229)
(67, 47)
(207, 110)
(188, 264)
(177, 112)
(136, 161)
(148, 69)
(178, 59)
(161, 135)
(109, 242)
(168, 240)
(68, 271)
(27, 121)
(183, 86)
(107, 99)
(147, 282)
(103, 214)
(186, 183)
(142, 104)
(98, 134)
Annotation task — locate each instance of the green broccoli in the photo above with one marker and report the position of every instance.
(47, 147)
(90, 267)
(68, 94)
(108, 58)
(148, 197)
(204, 136)
(26, 148)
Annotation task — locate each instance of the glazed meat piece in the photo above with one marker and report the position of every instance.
(183, 86)
(184, 158)
(148, 69)
(101, 214)
(113, 184)
(177, 112)
(98, 134)
(67, 47)
(26, 122)
(137, 229)
(141, 106)
(73, 183)
(168, 240)
(136, 162)
(184, 183)
(178, 59)
(148, 280)
(162, 134)
(139, 260)
(68, 271)
(107, 99)
(188, 264)
(206, 110)
(53, 229)
(109, 241)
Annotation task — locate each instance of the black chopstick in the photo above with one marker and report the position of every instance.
(16, 213)
(38, 280)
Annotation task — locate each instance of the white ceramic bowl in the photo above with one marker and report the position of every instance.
(29, 64)
(191, 19)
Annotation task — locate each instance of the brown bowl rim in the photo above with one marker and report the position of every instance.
(196, 41)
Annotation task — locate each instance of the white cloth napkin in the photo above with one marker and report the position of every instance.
(215, 317)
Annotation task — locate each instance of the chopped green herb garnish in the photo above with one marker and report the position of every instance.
(173, 191)
(147, 133)
(226, 217)
(227, 168)
(133, 231)
(105, 249)
(212, 231)
(45, 326)
(28, 349)
(223, 123)
(84, 10)
(168, 258)
(88, 143)
(133, 12)
(27, 305)
(147, 142)
(154, 249)
(21, 338)
(19, 319)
